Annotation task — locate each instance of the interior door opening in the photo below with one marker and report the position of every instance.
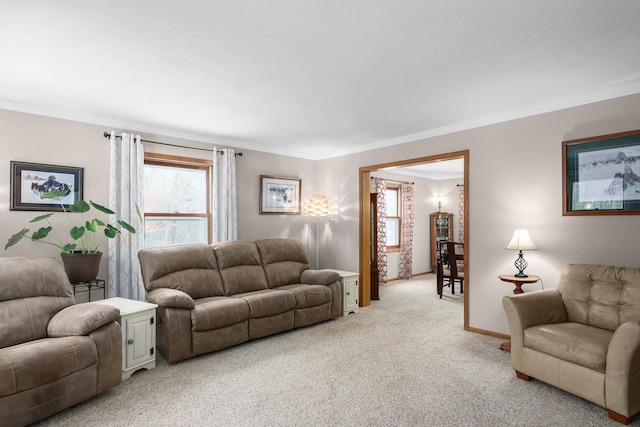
(368, 288)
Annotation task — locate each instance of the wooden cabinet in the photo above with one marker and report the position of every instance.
(350, 291)
(441, 230)
(138, 323)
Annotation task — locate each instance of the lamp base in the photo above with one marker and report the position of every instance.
(521, 264)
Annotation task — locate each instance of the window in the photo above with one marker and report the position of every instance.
(177, 206)
(392, 194)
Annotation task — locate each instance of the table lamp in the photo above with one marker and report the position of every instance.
(521, 242)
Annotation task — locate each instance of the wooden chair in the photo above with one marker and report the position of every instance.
(450, 266)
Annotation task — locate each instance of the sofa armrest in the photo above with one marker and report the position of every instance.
(319, 277)
(81, 319)
(622, 379)
(531, 309)
(108, 341)
(170, 298)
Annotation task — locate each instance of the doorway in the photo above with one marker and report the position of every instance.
(365, 222)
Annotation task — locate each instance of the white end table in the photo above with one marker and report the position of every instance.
(350, 291)
(138, 323)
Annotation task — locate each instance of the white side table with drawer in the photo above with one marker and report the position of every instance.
(138, 323)
(350, 291)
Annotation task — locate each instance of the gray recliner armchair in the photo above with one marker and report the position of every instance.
(53, 353)
(583, 336)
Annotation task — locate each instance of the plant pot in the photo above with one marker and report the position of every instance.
(81, 267)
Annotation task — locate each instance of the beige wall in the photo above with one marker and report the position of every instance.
(38, 139)
(515, 182)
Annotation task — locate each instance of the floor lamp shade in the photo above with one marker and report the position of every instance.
(521, 242)
(316, 207)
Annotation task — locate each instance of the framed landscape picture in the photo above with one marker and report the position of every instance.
(29, 181)
(599, 175)
(280, 195)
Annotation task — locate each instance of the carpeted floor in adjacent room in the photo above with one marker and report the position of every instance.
(403, 361)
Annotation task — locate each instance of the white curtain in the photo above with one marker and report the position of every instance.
(405, 268)
(126, 196)
(224, 205)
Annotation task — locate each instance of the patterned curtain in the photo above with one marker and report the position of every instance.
(126, 196)
(380, 185)
(461, 213)
(223, 198)
(405, 268)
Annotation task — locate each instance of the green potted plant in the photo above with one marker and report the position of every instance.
(80, 254)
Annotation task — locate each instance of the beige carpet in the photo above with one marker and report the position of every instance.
(403, 361)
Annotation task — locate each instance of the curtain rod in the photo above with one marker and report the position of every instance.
(108, 135)
(394, 180)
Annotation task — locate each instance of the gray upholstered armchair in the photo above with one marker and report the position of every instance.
(583, 336)
(53, 354)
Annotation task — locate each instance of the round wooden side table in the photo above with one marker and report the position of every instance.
(518, 281)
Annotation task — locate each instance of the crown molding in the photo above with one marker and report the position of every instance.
(139, 127)
(617, 91)
(603, 94)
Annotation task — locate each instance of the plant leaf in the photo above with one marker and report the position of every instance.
(127, 227)
(102, 208)
(138, 212)
(110, 231)
(41, 233)
(54, 194)
(100, 223)
(16, 238)
(41, 217)
(80, 206)
(69, 247)
(92, 225)
(76, 232)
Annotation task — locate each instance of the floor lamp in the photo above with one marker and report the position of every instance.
(316, 207)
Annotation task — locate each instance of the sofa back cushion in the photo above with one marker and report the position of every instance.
(599, 295)
(191, 269)
(283, 260)
(32, 291)
(240, 267)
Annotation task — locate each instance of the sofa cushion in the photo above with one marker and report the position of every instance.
(218, 312)
(268, 302)
(29, 365)
(240, 267)
(308, 295)
(599, 295)
(191, 269)
(33, 289)
(283, 260)
(573, 342)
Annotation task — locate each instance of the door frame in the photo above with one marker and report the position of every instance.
(364, 224)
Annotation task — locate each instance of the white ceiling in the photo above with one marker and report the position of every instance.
(313, 78)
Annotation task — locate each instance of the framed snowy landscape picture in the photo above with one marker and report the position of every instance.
(599, 175)
(280, 195)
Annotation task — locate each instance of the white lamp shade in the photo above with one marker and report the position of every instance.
(521, 241)
(317, 206)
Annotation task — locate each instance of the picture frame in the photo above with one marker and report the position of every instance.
(280, 195)
(598, 175)
(30, 180)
